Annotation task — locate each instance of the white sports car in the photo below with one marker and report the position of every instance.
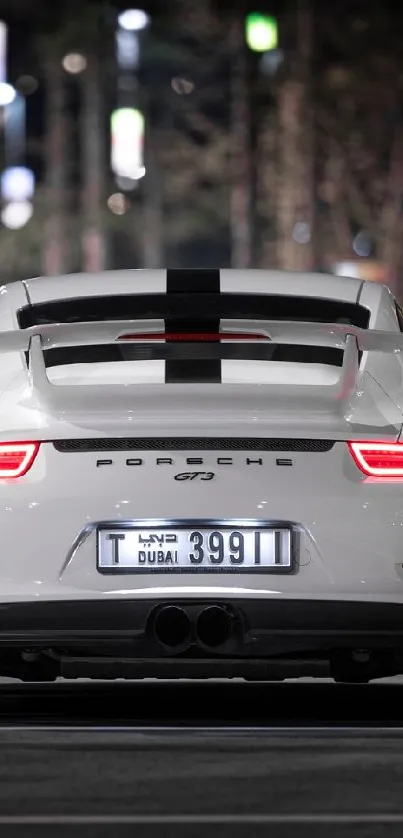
(201, 475)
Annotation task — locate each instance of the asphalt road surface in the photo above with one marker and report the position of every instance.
(217, 759)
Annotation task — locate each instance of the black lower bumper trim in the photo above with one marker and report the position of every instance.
(301, 623)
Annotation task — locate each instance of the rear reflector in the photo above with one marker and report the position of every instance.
(378, 459)
(16, 458)
(193, 337)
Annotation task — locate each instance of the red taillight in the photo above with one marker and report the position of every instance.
(193, 337)
(378, 459)
(16, 458)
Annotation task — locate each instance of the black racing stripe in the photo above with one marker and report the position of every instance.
(193, 372)
(197, 370)
(193, 281)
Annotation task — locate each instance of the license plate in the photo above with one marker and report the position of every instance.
(198, 548)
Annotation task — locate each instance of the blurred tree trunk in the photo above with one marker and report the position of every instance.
(153, 255)
(289, 109)
(94, 167)
(266, 165)
(241, 170)
(336, 238)
(390, 243)
(307, 141)
(296, 181)
(55, 248)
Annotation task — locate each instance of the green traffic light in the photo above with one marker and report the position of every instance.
(261, 32)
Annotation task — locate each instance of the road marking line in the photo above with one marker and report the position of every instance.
(203, 729)
(177, 820)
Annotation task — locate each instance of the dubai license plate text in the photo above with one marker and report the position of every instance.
(221, 549)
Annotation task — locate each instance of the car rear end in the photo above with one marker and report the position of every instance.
(200, 497)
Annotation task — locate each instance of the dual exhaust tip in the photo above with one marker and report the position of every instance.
(213, 628)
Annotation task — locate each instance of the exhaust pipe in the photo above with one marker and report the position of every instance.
(172, 628)
(214, 627)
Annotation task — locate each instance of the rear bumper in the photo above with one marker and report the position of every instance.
(262, 628)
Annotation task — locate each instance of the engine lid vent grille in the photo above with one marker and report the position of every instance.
(192, 444)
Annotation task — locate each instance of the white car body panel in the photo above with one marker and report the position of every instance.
(43, 289)
(350, 527)
(330, 534)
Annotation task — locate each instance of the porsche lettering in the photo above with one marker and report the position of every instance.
(170, 461)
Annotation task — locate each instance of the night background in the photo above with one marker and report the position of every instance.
(273, 136)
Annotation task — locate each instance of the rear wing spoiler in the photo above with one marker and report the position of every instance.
(288, 332)
(37, 339)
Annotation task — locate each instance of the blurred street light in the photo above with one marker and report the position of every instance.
(127, 49)
(7, 91)
(362, 244)
(74, 63)
(127, 152)
(17, 184)
(133, 20)
(118, 203)
(261, 32)
(15, 132)
(7, 94)
(17, 214)
(368, 269)
(3, 50)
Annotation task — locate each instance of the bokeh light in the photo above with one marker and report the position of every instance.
(17, 214)
(133, 20)
(74, 63)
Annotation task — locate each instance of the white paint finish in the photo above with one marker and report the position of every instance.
(352, 530)
(380, 302)
(324, 286)
(44, 289)
(212, 410)
(123, 373)
(12, 298)
(389, 375)
(12, 364)
(277, 372)
(154, 281)
(339, 408)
